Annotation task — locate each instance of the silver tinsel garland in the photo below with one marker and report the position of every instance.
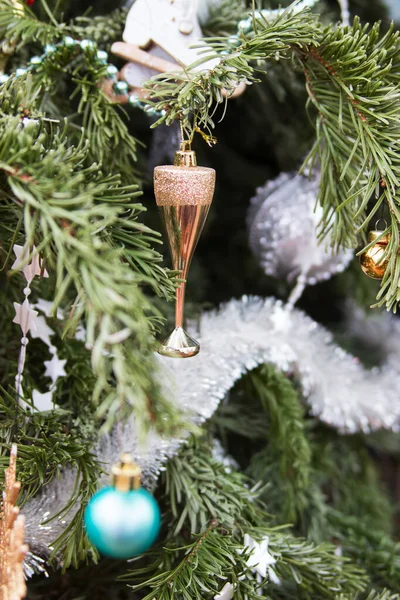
(240, 336)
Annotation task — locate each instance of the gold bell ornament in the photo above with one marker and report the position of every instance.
(184, 193)
(373, 261)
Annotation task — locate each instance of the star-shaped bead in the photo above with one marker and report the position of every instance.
(260, 559)
(42, 402)
(31, 269)
(226, 593)
(55, 368)
(43, 331)
(25, 316)
(47, 307)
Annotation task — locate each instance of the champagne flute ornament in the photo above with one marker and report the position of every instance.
(184, 193)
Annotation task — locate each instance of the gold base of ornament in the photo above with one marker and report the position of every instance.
(179, 345)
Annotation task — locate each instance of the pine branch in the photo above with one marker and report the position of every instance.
(198, 568)
(110, 141)
(47, 443)
(287, 442)
(194, 95)
(102, 29)
(383, 595)
(315, 569)
(71, 211)
(353, 82)
(369, 547)
(344, 468)
(200, 490)
(20, 24)
(103, 122)
(266, 409)
(223, 18)
(198, 484)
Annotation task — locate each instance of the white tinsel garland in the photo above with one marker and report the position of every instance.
(240, 336)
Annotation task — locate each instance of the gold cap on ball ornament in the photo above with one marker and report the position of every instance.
(373, 261)
(125, 475)
(184, 193)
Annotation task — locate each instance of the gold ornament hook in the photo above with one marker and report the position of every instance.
(378, 222)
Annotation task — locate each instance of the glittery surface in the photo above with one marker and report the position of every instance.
(283, 221)
(251, 331)
(183, 185)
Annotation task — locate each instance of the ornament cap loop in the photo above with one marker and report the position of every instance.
(125, 476)
(381, 221)
(185, 156)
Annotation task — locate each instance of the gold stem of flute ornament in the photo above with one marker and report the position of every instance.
(184, 193)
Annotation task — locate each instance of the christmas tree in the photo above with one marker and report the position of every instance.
(266, 464)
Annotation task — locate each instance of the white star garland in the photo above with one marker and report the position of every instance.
(54, 366)
(24, 315)
(27, 318)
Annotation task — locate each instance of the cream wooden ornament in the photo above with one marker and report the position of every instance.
(166, 30)
(173, 26)
(158, 38)
(142, 65)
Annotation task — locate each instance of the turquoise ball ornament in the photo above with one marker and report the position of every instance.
(122, 524)
(121, 521)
